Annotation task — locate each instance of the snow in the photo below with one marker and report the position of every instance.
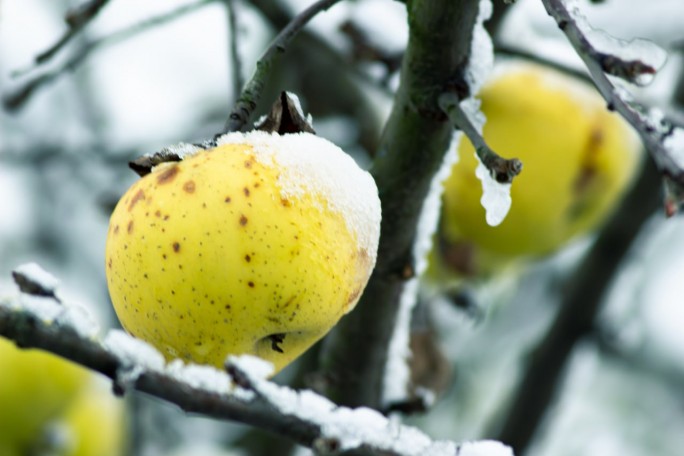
(79, 319)
(182, 150)
(37, 275)
(396, 380)
(484, 448)
(203, 377)
(298, 106)
(257, 367)
(480, 68)
(636, 49)
(496, 197)
(45, 309)
(311, 164)
(133, 352)
(397, 375)
(349, 427)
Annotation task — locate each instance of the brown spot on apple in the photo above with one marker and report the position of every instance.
(168, 175)
(140, 195)
(189, 186)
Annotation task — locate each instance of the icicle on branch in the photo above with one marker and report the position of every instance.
(503, 170)
(251, 93)
(35, 318)
(663, 140)
(17, 98)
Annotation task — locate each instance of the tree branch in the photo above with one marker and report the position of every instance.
(653, 132)
(578, 311)
(235, 60)
(413, 147)
(19, 97)
(242, 396)
(503, 170)
(76, 19)
(251, 93)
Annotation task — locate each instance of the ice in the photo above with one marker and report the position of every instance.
(634, 50)
(496, 197)
(133, 352)
(38, 276)
(484, 448)
(311, 164)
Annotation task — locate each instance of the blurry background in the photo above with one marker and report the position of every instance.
(63, 156)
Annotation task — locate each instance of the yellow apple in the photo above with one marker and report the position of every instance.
(94, 424)
(578, 159)
(35, 387)
(257, 246)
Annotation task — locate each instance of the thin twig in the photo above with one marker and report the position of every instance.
(306, 418)
(235, 60)
(76, 19)
(653, 135)
(251, 93)
(19, 97)
(503, 170)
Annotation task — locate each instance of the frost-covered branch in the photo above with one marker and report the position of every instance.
(581, 302)
(251, 93)
(503, 170)
(662, 139)
(23, 94)
(242, 394)
(414, 144)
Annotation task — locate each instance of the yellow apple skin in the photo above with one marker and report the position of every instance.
(35, 387)
(214, 255)
(94, 423)
(578, 158)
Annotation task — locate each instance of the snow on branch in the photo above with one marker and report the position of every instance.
(635, 62)
(251, 93)
(33, 319)
(503, 170)
(495, 172)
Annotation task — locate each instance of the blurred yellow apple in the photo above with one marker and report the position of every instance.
(35, 387)
(257, 246)
(93, 425)
(578, 159)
